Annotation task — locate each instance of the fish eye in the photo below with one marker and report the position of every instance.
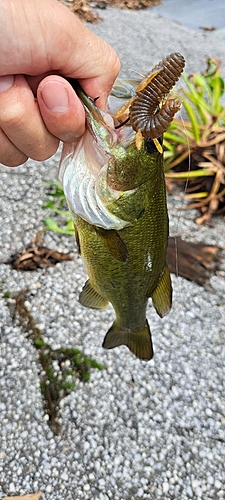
(150, 145)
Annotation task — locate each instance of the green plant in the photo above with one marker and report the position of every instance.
(60, 368)
(195, 146)
(56, 204)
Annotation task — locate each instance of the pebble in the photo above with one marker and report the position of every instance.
(64, 476)
(189, 492)
(166, 487)
(195, 483)
(12, 487)
(198, 492)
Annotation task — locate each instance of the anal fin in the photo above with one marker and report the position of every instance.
(89, 297)
(138, 341)
(162, 295)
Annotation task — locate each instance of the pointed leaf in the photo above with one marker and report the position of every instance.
(191, 114)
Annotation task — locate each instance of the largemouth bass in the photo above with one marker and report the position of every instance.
(113, 179)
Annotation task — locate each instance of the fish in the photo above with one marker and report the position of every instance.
(117, 197)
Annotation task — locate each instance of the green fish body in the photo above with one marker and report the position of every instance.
(117, 197)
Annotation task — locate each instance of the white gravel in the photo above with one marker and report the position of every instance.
(137, 430)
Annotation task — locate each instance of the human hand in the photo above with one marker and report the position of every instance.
(39, 42)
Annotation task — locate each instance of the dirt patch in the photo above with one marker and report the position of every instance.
(88, 10)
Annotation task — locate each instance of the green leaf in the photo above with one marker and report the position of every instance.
(39, 342)
(70, 226)
(52, 225)
(190, 174)
(85, 375)
(97, 365)
(192, 117)
(218, 90)
(173, 137)
(68, 385)
(62, 212)
(56, 192)
(170, 147)
(198, 99)
(50, 204)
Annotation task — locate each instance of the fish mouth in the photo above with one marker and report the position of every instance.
(84, 165)
(84, 178)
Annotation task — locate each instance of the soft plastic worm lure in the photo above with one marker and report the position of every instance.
(150, 112)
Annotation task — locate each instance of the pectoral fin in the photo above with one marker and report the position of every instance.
(77, 239)
(138, 341)
(114, 243)
(162, 295)
(90, 298)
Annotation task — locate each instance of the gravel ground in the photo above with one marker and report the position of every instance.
(136, 430)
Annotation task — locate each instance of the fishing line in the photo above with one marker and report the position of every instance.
(179, 211)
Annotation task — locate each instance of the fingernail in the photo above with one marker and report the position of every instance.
(6, 82)
(55, 96)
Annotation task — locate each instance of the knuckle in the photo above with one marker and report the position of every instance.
(10, 155)
(45, 151)
(13, 115)
(13, 159)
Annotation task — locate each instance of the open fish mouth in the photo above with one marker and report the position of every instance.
(83, 173)
(83, 168)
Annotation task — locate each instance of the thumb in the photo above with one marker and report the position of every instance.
(61, 109)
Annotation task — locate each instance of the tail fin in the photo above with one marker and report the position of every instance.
(138, 341)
